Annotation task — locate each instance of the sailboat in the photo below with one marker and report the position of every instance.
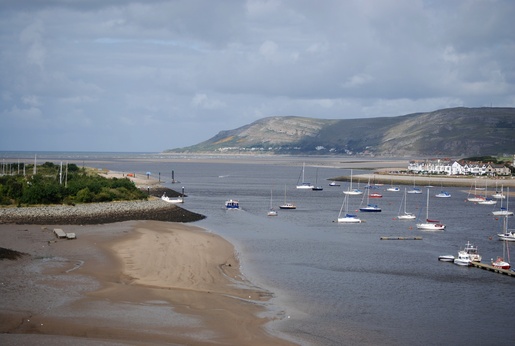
(500, 262)
(347, 218)
(393, 188)
(507, 235)
(405, 215)
(287, 205)
(371, 208)
(317, 187)
(487, 200)
(415, 189)
(352, 191)
(271, 211)
(475, 197)
(499, 194)
(430, 225)
(303, 184)
(504, 211)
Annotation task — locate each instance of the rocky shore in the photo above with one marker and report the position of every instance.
(98, 213)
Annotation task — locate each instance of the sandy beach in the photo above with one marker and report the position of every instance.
(133, 282)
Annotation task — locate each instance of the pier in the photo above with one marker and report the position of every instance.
(401, 238)
(492, 268)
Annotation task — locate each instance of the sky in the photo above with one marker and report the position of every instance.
(150, 75)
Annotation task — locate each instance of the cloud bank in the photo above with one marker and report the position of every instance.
(112, 75)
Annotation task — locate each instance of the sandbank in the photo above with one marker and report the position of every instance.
(133, 282)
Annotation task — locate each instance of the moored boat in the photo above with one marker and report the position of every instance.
(405, 215)
(471, 250)
(463, 259)
(344, 216)
(232, 204)
(443, 194)
(430, 225)
(165, 198)
(446, 258)
(501, 263)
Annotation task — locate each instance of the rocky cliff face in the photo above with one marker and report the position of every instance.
(454, 131)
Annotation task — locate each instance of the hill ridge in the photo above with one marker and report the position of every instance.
(458, 131)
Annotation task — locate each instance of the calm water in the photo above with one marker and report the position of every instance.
(340, 284)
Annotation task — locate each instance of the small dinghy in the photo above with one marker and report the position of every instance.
(446, 258)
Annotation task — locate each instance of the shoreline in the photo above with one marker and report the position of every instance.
(133, 282)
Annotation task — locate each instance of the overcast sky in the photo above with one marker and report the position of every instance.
(148, 75)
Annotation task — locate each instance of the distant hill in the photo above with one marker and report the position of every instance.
(448, 132)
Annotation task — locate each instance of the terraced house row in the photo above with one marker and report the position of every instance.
(460, 167)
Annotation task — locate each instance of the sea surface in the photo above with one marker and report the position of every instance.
(340, 284)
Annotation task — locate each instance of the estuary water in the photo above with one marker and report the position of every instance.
(340, 284)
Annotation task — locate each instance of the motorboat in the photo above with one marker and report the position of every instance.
(165, 198)
(471, 250)
(232, 204)
(463, 259)
(375, 195)
(334, 183)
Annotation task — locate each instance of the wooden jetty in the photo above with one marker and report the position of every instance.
(492, 268)
(401, 238)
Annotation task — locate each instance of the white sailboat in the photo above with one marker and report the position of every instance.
(303, 184)
(430, 225)
(475, 197)
(504, 211)
(287, 205)
(405, 215)
(415, 189)
(499, 194)
(507, 235)
(347, 218)
(271, 211)
(487, 200)
(352, 191)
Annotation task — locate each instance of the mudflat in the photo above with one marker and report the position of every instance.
(133, 282)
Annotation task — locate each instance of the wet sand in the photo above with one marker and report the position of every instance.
(134, 282)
